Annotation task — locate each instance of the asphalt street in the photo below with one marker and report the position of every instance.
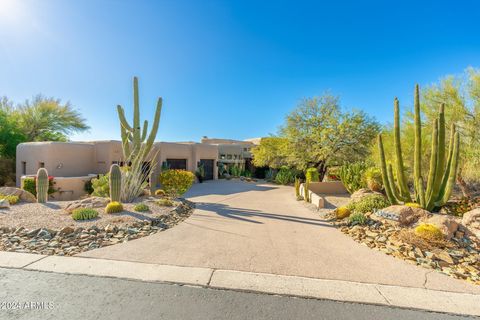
(40, 295)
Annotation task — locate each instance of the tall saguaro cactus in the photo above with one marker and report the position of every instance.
(441, 175)
(115, 182)
(42, 185)
(133, 136)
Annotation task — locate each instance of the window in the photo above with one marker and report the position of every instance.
(41, 165)
(229, 156)
(24, 167)
(222, 156)
(234, 157)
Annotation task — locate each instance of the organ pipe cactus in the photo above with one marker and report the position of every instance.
(133, 136)
(115, 183)
(442, 171)
(42, 185)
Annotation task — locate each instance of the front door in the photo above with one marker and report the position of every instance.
(208, 167)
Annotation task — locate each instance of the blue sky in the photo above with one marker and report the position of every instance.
(229, 69)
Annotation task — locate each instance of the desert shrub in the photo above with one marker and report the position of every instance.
(373, 179)
(141, 207)
(270, 175)
(413, 205)
(164, 202)
(88, 187)
(357, 218)
(297, 189)
(176, 182)
(236, 171)
(30, 184)
(10, 198)
(285, 176)
(351, 175)
(160, 193)
(84, 214)
(342, 212)
(312, 175)
(429, 231)
(370, 203)
(101, 186)
(7, 172)
(114, 207)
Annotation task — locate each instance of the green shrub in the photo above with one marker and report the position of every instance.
(270, 175)
(141, 207)
(88, 187)
(297, 189)
(285, 176)
(101, 186)
(357, 218)
(369, 204)
(373, 179)
(312, 175)
(114, 207)
(176, 182)
(30, 184)
(351, 175)
(84, 214)
(10, 198)
(164, 202)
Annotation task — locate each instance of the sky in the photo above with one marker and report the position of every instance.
(229, 69)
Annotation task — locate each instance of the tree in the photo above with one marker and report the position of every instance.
(10, 133)
(319, 134)
(47, 119)
(270, 152)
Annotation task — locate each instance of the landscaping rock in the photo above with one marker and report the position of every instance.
(471, 220)
(447, 224)
(92, 202)
(362, 193)
(22, 194)
(404, 215)
(4, 203)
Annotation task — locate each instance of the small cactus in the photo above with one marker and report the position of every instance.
(114, 207)
(42, 185)
(115, 183)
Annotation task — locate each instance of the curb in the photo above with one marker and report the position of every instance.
(337, 290)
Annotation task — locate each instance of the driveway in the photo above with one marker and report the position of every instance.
(262, 228)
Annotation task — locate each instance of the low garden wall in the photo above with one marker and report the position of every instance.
(68, 188)
(319, 189)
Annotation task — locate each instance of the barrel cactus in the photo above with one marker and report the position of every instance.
(115, 182)
(42, 185)
(443, 165)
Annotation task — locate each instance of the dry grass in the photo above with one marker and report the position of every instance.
(423, 242)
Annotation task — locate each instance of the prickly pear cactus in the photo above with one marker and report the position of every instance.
(115, 182)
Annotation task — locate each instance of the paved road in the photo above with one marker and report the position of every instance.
(83, 297)
(262, 228)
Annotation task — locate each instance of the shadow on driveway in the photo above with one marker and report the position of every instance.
(244, 214)
(226, 187)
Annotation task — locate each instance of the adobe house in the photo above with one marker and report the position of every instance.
(74, 163)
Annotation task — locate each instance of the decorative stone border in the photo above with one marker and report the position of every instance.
(70, 241)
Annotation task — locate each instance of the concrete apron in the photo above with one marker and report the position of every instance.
(338, 290)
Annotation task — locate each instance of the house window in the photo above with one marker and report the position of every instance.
(41, 165)
(24, 167)
(222, 156)
(234, 157)
(229, 156)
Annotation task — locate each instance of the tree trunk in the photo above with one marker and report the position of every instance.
(322, 170)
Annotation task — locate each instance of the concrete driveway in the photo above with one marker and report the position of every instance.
(262, 228)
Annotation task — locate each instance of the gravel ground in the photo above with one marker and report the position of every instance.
(53, 216)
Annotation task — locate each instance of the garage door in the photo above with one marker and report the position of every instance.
(180, 164)
(208, 166)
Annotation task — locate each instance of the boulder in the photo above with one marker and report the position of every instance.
(4, 203)
(471, 220)
(447, 224)
(92, 202)
(362, 193)
(22, 194)
(404, 215)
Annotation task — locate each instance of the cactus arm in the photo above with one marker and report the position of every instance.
(433, 166)
(449, 164)
(156, 122)
(42, 185)
(386, 183)
(447, 191)
(421, 192)
(391, 181)
(145, 129)
(440, 155)
(115, 182)
(123, 120)
(402, 180)
(125, 142)
(136, 112)
(417, 172)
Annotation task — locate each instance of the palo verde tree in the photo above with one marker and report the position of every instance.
(319, 134)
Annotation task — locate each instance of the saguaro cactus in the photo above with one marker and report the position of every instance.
(42, 185)
(134, 137)
(441, 176)
(115, 183)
